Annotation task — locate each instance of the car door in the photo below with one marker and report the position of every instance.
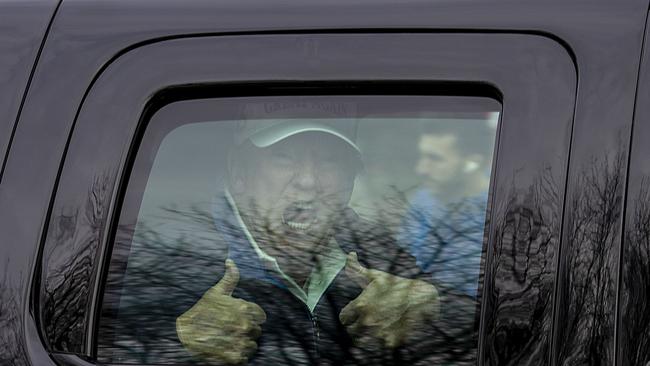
(133, 92)
(292, 66)
(23, 29)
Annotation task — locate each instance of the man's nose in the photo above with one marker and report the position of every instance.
(307, 176)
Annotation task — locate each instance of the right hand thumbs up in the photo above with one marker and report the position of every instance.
(219, 327)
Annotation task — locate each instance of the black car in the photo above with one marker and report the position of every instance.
(338, 182)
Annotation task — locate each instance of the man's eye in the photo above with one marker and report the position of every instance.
(282, 158)
(336, 168)
(334, 158)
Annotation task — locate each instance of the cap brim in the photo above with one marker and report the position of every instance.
(279, 132)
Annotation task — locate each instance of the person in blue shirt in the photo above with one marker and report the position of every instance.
(444, 225)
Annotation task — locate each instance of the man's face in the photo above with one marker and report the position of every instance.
(440, 162)
(292, 191)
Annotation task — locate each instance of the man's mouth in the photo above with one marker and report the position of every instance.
(300, 216)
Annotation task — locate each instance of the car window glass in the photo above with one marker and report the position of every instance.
(303, 230)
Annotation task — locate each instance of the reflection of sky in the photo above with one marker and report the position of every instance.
(189, 167)
(390, 153)
(191, 159)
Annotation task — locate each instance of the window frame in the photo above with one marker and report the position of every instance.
(209, 106)
(538, 104)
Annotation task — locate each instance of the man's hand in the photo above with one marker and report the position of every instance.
(219, 327)
(390, 309)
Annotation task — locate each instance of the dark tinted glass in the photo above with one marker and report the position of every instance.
(303, 230)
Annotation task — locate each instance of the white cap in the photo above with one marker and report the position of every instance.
(268, 123)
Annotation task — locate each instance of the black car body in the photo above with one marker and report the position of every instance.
(567, 269)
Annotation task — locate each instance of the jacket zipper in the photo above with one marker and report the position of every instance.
(315, 331)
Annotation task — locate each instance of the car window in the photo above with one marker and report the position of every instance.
(303, 230)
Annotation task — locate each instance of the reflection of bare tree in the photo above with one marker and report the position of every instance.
(453, 241)
(172, 259)
(163, 273)
(635, 292)
(167, 261)
(12, 349)
(587, 331)
(526, 234)
(75, 236)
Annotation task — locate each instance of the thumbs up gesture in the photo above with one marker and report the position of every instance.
(390, 309)
(219, 327)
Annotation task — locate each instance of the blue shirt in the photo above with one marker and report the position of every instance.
(446, 239)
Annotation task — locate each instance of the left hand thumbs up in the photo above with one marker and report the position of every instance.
(389, 309)
(359, 274)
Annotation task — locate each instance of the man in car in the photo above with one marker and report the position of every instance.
(444, 226)
(306, 280)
